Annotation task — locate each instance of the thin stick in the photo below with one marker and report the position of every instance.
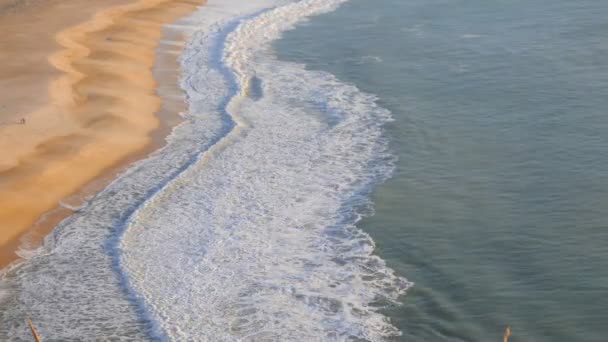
(507, 334)
(34, 332)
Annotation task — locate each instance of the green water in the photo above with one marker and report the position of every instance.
(498, 208)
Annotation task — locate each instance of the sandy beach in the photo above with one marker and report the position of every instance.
(79, 100)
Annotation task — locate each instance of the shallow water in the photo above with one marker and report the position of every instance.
(497, 208)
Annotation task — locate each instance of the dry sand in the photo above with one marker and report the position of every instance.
(81, 74)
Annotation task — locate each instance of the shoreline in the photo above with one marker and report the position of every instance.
(118, 51)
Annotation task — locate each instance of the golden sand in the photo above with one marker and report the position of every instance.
(89, 109)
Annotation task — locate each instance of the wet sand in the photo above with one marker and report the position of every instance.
(82, 75)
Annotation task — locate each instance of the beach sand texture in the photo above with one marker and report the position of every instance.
(81, 75)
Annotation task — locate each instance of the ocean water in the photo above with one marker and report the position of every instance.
(352, 171)
(497, 206)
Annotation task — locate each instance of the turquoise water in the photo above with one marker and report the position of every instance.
(497, 210)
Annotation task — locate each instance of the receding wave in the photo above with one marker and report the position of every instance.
(244, 226)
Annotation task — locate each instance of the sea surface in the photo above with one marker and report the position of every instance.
(352, 171)
(498, 207)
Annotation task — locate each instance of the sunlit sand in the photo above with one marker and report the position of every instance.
(78, 101)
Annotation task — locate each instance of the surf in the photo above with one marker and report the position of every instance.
(257, 240)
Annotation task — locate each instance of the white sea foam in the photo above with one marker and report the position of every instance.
(257, 240)
(72, 207)
(243, 226)
(470, 36)
(370, 59)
